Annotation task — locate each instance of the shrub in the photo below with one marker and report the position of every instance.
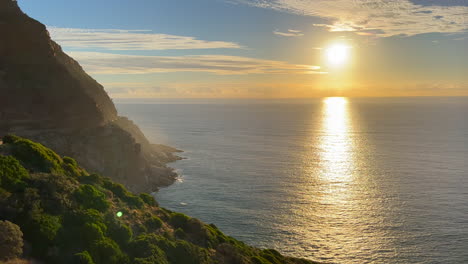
(54, 191)
(11, 240)
(180, 234)
(106, 251)
(124, 195)
(179, 220)
(10, 139)
(12, 173)
(71, 166)
(120, 232)
(272, 256)
(45, 227)
(70, 161)
(90, 179)
(183, 252)
(154, 222)
(145, 249)
(82, 258)
(260, 260)
(83, 217)
(134, 201)
(92, 232)
(89, 197)
(148, 199)
(36, 157)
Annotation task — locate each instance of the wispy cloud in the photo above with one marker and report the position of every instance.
(287, 89)
(211, 90)
(289, 33)
(377, 17)
(105, 63)
(118, 39)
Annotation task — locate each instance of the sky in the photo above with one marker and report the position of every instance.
(264, 48)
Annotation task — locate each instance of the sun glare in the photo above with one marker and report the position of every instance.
(337, 54)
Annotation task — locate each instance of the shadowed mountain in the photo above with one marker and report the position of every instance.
(47, 96)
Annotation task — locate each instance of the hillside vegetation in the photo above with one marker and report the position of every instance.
(67, 215)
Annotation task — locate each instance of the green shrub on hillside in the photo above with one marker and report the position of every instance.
(12, 173)
(154, 223)
(179, 220)
(106, 251)
(35, 156)
(119, 232)
(82, 258)
(45, 227)
(148, 199)
(144, 249)
(71, 167)
(89, 197)
(124, 195)
(10, 139)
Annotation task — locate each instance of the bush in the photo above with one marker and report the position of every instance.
(154, 223)
(12, 173)
(148, 199)
(183, 252)
(90, 179)
(260, 260)
(145, 249)
(10, 139)
(134, 201)
(120, 232)
(11, 241)
(70, 161)
(179, 220)
(124, 195)
(82, 258)
(45, 227)
(92, 232)
(180, 234)
(272, 256)
(36, 157)
(71, 166)
(106, 251)
(89, 197)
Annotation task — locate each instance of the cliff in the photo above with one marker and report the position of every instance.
(47, 96)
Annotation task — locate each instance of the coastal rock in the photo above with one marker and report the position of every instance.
(45, 95)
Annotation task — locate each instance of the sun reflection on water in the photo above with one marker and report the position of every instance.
(336, 143)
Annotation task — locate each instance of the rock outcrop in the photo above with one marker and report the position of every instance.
(45, 95)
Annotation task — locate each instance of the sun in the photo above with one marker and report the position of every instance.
(337, 54)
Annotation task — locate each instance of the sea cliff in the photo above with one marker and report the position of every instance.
(47, 96)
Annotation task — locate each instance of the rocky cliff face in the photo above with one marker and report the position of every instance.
(45, 95)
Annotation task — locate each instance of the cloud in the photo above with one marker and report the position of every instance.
(240, 89)
(118, 39)
(385, 18)
(289, 33)
(105, 63)
(287, 89)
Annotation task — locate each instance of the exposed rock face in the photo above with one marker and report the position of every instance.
(45, 95)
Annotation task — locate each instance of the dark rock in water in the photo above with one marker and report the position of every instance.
(45, 95)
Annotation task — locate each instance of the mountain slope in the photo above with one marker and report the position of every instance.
(68, 215)
(46, 96)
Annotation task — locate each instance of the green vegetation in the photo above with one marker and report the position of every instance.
(69, 215)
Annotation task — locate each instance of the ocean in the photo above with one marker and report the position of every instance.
(338, 180)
